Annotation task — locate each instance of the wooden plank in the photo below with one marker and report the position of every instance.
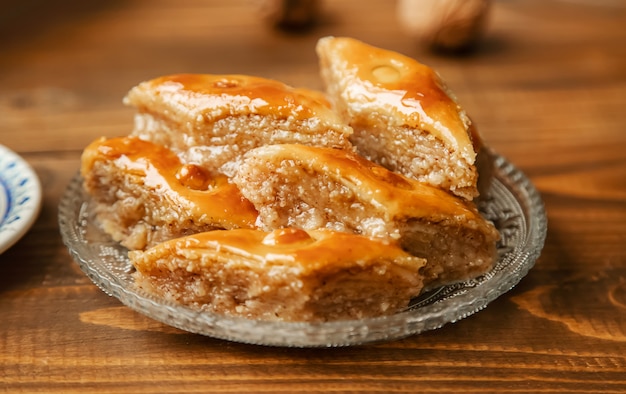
(547, 90)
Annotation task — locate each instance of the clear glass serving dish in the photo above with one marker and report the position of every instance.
(513, 204)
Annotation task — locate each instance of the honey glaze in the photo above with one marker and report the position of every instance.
(399, 196)
(410, 92)
(194, 177)
(188, 186)
(306, 251)
(286, 236)
(213, 97)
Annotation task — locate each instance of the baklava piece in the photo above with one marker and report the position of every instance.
(308, 187)
(287, 274)
(403, 115)
(211, 120)
(143, 194)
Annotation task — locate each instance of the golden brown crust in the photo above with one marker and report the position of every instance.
(204, 98)
(145, 195)
(286, 274)
(409, 92)
(397, 108)
(213, 119)
(395, 196)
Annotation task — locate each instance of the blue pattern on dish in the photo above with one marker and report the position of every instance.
(20, 197)
(17, 187)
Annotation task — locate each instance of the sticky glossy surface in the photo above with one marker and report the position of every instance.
(401, 196)
(188, 186)
(212, 97)
(314, 251)
(398, 86)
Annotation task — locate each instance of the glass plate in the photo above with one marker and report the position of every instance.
(512, 204)
(20, 197)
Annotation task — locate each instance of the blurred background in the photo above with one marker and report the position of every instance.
(66, 65)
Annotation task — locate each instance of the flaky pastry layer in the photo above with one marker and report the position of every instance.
(287, 274)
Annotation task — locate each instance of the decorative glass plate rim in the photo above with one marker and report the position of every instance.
(430, 311)
(20, 192)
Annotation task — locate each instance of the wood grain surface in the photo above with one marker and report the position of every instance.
(547, 89)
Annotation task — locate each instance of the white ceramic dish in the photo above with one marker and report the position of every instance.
(513, 205)
(20, 197)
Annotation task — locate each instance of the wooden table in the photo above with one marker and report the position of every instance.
(547, 89)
